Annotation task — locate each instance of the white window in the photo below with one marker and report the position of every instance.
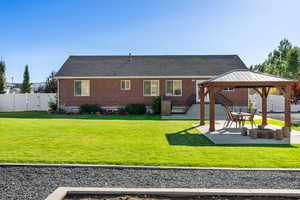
(151, 87)
(228, 89)
(125, 84)
(82, 87)
(173, 88)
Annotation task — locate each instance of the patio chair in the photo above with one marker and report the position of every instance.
(230, 118)
(250, 118)
(227, 117)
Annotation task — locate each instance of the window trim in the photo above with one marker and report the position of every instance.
(173, 93)
(82, 95)
(150, 89)
(129, 88)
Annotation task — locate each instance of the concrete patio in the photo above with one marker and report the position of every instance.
(233, 135)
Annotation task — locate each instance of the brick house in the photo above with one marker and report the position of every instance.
(114, 81)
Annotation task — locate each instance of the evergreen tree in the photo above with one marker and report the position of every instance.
(283, 61)
(51, 84)
(283, 49)
(2, 77)
(293, 63)
(26, 86)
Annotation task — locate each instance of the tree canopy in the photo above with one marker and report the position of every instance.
(51, 83)
(283, 61)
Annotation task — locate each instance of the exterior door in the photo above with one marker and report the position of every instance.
(206, 99)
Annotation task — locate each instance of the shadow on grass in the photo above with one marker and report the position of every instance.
(186, 138)
(46, 115)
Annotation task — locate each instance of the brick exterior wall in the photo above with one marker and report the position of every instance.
(106, 92)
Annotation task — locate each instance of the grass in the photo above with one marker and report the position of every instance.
(39, 137)
(280, 123)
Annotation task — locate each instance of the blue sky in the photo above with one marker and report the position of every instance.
(44, 33)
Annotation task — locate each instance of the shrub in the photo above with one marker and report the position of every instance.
(52, 105)
(156, 106)
(135, 109)
(89, 108)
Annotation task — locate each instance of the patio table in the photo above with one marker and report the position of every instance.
(241, 116)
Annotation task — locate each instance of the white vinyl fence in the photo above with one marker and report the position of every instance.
(26, 102)
(275, 103)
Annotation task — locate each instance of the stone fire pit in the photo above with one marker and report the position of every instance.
(266, 133)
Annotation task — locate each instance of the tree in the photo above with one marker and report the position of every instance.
(51, 84)
(293, 63)
(298, 49)
(283, 61)
(283, 49)
(2, 77)
(26, 86)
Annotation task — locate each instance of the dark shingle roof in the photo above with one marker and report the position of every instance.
(164, 65)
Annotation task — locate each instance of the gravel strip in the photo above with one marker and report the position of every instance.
(20, 183)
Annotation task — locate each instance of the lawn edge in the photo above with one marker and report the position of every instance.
(142, 167)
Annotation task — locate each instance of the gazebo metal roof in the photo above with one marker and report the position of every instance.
(245, 75)
(244, 78)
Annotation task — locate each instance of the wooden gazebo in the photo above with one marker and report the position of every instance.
(260, 82)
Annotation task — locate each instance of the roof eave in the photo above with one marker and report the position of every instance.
(129, 77)
(248, 84)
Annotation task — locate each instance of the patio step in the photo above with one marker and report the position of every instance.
(194, 113)
(195, 109)
(178, 109)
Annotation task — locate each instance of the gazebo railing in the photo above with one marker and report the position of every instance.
(190, 101)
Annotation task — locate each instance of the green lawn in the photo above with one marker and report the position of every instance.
(38, 137)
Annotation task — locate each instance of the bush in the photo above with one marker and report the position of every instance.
(89, 108)
(52, 105)
(156, 106)
(135, 109)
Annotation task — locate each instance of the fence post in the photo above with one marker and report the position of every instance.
(27, 101)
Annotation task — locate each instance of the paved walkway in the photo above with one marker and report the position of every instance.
(233, 135)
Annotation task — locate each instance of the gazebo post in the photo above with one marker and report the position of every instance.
(264, 106)
(287, 106)
(202, 105)
(212, 109)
